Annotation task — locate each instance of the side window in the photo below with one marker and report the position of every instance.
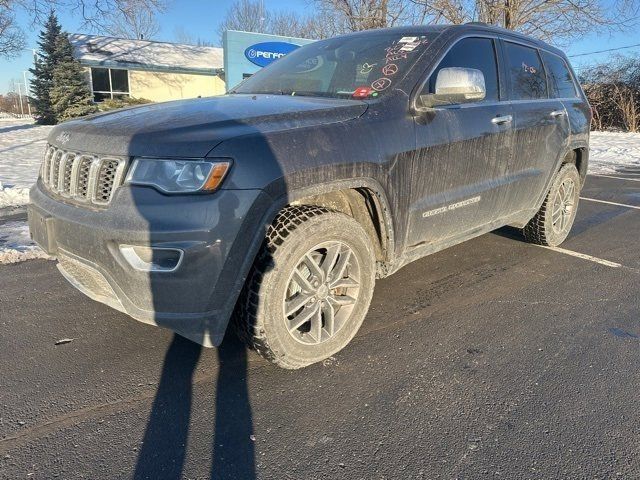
(475, 53)
(560, 80)
(527, 80)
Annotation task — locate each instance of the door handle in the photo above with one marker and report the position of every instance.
(502, 119)
(558, 113)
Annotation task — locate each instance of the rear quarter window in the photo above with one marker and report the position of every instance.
(527, 80)
(561, 84)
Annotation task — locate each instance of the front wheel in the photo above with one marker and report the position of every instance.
(553, 222)
(310, 287)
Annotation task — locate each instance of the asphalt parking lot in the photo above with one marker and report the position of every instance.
(492, 359)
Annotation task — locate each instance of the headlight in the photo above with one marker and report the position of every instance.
(178, 176)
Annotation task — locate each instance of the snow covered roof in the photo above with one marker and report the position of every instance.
(94, 50)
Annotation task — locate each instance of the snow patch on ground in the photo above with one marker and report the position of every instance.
(16, 245)
(22, 145)
(614, 152)
(13, 196)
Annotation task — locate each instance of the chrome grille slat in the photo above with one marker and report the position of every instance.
(69, 160)
(82, 187)
(55, 169)
(81, 177)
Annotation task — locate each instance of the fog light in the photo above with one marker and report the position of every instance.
(152, 259)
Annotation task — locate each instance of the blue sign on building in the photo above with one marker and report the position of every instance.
(246, 52)
(262, 54)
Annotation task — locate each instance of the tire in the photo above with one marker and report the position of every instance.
(284, 287)
(553, 222)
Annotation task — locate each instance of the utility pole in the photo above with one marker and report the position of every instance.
(20, 97)
(27, 91)
(262, 17)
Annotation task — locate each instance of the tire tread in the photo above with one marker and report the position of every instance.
(247, 322)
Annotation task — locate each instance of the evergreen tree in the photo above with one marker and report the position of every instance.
(42, 72)
(70, 95)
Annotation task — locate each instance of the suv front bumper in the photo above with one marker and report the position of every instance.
(216, 234)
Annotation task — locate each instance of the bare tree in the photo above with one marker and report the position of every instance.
(342, 16)
(613, 90)
(551, 20)
(92, 12)
(181, 35)
(252, 16)
(134, 19)
(11, 37)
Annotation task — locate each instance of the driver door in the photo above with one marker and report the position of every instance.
(462, 154)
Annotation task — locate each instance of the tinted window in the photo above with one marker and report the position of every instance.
(119, 80)
(526, 75)
(560, 80)
(475, 53)
(100, 79)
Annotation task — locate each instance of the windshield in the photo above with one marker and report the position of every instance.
(362, 66)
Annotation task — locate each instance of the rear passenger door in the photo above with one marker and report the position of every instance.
(541, 126)
(462, 153)
(563, 86)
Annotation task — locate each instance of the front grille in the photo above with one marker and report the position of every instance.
(81, 177)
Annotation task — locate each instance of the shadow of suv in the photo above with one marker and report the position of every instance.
(284, 199)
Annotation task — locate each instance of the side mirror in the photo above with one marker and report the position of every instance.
(456, 85)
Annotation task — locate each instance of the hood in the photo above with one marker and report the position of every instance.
(191, 128)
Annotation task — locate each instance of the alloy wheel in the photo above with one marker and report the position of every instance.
(563, 206)
(321, 293)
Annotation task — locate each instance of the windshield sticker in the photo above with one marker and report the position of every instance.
(362, 92)
(529, 69)
(367, 67)
(380, 84)
(390, 69)
(408, 40)
(409, 47)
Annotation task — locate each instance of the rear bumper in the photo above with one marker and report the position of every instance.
(213, 232)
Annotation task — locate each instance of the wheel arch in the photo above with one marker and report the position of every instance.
(578, 154)
(363, 199)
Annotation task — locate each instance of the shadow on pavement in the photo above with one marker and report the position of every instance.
(164, 448)
(18, 127)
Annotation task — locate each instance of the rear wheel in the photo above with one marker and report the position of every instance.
(553, 222)
(309, 289)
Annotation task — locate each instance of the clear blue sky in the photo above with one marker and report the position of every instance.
(200, 18)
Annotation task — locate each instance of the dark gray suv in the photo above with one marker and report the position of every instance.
(280, 203)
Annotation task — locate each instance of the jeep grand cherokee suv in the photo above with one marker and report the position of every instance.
(279, 203)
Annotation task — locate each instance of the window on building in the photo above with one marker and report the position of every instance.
(527, 79)
(560, 79)
(109, 83)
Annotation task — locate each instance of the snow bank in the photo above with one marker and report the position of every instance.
(13, 196)
(614, 152)
(16, 245)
